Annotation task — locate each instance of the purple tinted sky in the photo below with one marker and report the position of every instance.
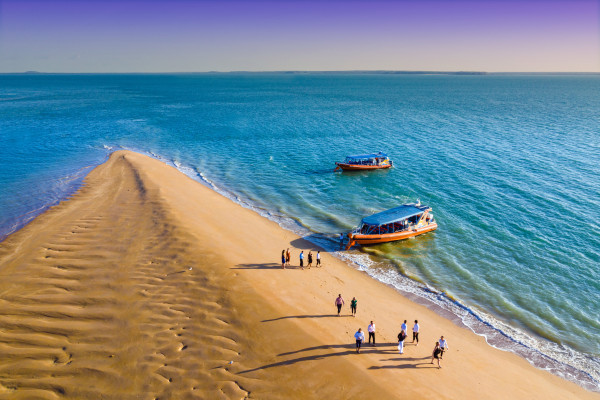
(187, 35)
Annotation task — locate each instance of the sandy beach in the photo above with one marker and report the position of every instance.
(148, 285)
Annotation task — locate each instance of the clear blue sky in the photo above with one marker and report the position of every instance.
(226, 35)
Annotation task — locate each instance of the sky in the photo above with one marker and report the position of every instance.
(308, 35)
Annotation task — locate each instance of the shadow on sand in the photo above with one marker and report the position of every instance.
(261, 266)
(305, 316)
(346, 350)
(349, 350)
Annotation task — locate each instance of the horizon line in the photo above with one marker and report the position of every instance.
(351, 71)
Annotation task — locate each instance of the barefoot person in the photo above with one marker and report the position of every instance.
(436, 354)
(371, 329)
(319, 258)
(416, 332)
(403, 326)
(401, 337)
(359, 336)
(443, 346)
(283, 259)
(287, 257)
(339, 302)
(302, 259)
(353, 304)
(309, 259)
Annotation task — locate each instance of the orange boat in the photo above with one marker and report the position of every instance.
(398, 223)
(365, 162)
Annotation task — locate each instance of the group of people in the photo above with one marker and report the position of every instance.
(339, 302)
(440, 346)
(285, 259)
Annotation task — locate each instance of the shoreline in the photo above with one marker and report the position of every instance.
(263, 278)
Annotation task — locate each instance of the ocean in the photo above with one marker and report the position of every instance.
(510, 165)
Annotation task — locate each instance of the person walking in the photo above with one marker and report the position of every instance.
(371, 329)
(283, 259)
(436, 354)
(403, 326)
(287, 257)
(359, 336)
(416, 332)
(339, 302)
(302, 259)
(353, 304)
(443, 346)
(319, 258)
(309, 259)
(401, 337)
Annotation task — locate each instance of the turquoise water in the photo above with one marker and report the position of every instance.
(509, 164)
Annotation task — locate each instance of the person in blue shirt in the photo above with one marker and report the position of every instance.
(359, 336)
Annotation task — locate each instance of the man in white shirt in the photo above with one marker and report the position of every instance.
(371, 329)
(443, 345)
(403, 326)
(416, 332)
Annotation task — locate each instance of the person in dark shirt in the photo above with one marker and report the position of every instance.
(436, 354)
(353, 304)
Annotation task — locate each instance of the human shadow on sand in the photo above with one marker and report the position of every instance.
(261, 266)
(305, 316)
(349, 350)
(405, 366)
(366, 348)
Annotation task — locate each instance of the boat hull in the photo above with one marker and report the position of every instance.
(389, 237)
(357, 167)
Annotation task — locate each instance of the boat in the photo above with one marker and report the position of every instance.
(363, 162)
(403, 222)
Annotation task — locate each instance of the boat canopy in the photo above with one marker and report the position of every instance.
(395, 214)
(366, 156)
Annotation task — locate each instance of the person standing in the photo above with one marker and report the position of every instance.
(319, 258)
(287, 257)
(339, 302)
(359, 336)
(401, 337)
(416, 332)
(436, 354)
(403, 326)
(309, 259)
(353, 304)
(371, 329)
(443, 346)
(341, 240)
(283, 259)
(302, 259)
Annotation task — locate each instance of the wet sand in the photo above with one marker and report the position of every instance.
(148, 285)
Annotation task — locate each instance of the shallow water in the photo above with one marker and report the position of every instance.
(509, 164)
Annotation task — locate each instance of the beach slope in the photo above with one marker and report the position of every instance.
(148, 285)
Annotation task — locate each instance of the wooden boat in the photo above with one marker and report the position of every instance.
(398, 223)
(363, 162)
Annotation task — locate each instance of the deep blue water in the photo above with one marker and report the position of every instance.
(509, 164)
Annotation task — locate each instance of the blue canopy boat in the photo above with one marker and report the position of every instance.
(364, 162)
(398, 223)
